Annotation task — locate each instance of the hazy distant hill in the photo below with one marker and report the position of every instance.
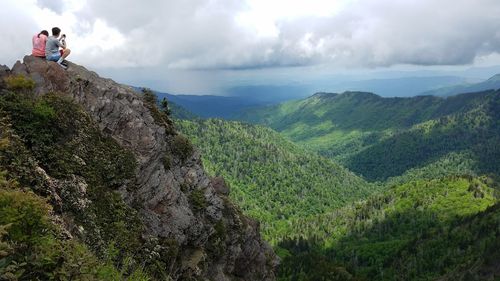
(271, 94)
(180, 112)
(397, 87)
(385, 87)
(239, 98)
(208, 106)
(492, 83)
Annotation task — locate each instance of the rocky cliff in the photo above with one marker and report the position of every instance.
(185, 217)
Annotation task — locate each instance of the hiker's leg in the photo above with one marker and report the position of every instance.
(66, 53)
(53, 57)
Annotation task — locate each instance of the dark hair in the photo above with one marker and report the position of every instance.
(44, 32)
(56, 31)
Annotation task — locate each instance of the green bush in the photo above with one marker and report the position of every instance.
(216, 245)
(149, 96)
(182, 147)
(19, 83)
(198, 200)
(164, 107)
(29, 249)
(119, 226)
(159, 115)
(27, 215)
(162, 257)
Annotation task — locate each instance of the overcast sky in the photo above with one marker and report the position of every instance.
(203, 45)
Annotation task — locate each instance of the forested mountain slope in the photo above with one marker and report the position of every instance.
(438, 217)
(381, 138)
(270, 177)
(442, 229)
(474, 134)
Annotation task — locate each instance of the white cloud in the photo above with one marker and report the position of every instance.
(56, 6)
(218, 34)
(17, 26)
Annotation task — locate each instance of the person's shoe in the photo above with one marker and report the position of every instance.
(65, 63)
(62, 65)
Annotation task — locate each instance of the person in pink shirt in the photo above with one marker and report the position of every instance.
(39, 41)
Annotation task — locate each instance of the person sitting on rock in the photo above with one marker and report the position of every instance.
(39, 40)
(52, 46)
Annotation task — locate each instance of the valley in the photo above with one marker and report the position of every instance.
(424, 168)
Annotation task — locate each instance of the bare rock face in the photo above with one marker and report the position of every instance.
(220, 186)
(176, 200)
(4, 72)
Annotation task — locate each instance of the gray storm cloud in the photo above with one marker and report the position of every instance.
(204, 34)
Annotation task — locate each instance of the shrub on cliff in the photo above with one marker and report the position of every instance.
(182, 147)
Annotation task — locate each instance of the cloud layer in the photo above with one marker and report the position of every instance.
(219, 34)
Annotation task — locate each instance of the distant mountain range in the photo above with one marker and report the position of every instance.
(238, 99)
(397, 87)
(491, 84)
(271, 94)
(208, 106)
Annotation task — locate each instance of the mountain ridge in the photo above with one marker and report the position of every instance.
(492, 83)
(308, 183)
(174, 198)
(352, 127)
(380, 237)
(211, 106)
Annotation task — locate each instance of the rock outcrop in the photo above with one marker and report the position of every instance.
(173, 195)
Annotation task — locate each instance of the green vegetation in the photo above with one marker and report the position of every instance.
(64, 140)
(19, 83)
(182, 147)
(380, 138)
(433, 213)
(197, 200)
(421, 230)
(436, 162)
(272, 179)
(31, 247)
(475, 133)
(159, 111)
(53, 135)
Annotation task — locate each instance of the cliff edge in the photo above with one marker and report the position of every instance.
(182, 212)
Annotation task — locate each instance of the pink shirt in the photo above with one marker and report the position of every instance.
(39, 45)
